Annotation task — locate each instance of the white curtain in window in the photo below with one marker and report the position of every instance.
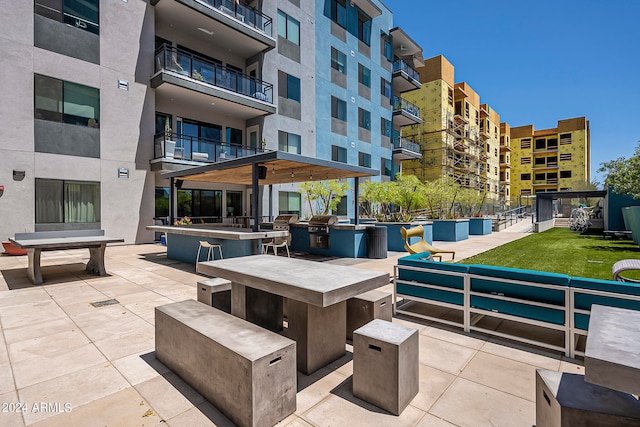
(82, 202)
(48, 201)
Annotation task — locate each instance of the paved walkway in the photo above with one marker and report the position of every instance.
(64, 362)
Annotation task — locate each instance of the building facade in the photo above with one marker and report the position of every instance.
(458, 136)
(102, 98)
(553, 159)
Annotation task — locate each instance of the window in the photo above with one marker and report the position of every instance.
(565, 138)
(385, 127)
(540, 161)
(565, 174)
(541, 144)
(288, 86)
(565, 157)
(83, 14)
(525, 161)
(364, 75)
(385, 167)
(61, 101)
(338, 109)
(289, 142)
(59, 201)
(539, 177)
(525, 193)
(234, 136)
(289, 202)
(385, 88)
(341, 207)
(199, 203)
(525, 177)
(288, 28)
(364, 159)
(364, 28)
(234, 203)
(339, 12)
(364, 119)
(525, 143)
(338, 60)
(338, 154)
(161, 202)
(387, 47)
(450, 96)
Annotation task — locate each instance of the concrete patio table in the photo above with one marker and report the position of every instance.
(612, 354)
(95, 244)
(312, 295)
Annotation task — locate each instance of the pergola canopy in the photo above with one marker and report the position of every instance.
(281, 168)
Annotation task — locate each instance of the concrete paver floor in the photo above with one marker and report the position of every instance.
(64, 362)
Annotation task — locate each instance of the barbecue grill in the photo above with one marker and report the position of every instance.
(319, 230)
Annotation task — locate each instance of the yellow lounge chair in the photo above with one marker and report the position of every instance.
(422, 245)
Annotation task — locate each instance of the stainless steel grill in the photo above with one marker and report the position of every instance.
(319, 230)
(281, 222)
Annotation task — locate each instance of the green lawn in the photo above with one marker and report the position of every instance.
(560, 250)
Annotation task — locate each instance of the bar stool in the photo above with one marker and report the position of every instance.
(209, 247)
(278, 242)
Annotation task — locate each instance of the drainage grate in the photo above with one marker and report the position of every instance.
(105, 302)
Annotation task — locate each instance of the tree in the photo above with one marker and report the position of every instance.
(407, 192)
(623, 175)
(323, 196)
(375, 199)
(471, 201)
(441, 196)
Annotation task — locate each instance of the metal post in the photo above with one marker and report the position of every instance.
(255, 188)
(356, 188)
(172, 205)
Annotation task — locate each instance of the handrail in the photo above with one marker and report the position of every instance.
(169, 145)
(400, 103)
(400, 65)
(399, 142)
(243, 13)
(196, 67)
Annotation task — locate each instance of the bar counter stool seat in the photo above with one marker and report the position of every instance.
(209, 247)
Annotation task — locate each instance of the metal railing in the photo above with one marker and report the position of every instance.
(183, 147)
(400, 104)
(243, 13)
(201, 69)
(400, 65)
(506, 219)
(399, 142)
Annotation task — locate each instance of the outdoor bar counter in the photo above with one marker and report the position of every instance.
(183, 241)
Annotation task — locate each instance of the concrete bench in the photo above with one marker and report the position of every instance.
(215, 292)
(36, 242)
(245, 371)
(365, 307)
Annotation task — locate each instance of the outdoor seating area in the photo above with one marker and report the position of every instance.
(125, 332)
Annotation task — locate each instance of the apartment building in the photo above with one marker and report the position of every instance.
(552, 159)
(102, 98)
(458, 136)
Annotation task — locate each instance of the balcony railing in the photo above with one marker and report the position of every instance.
(404, 105)
(201, 69)
(172, 146)
(399, 143)
(400, 65)
(243, 13)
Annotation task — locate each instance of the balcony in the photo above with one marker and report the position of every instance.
(200, 83)
(175, 152)
(405, 78)
(545, 182)
(403, 149)
(240, 28)
(405, 113)
(504, 148)
(548, 165)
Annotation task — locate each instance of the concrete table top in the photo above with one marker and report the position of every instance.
(612, 354)
(311, 282)
(65, 242)
(215, 233)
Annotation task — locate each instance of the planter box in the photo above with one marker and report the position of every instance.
(450, 230)
(479, 226)
(625, 218)
(395, 242)
(633, 216)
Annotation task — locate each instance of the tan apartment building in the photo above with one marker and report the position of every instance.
(552, 159)
(459, 136)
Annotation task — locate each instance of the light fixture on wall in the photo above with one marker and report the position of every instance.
(292, 174)
(18, 175)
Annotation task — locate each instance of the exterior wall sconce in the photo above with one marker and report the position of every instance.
(18, 175)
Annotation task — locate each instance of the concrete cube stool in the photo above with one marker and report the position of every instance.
(366, 307)
(245, 371)
(385, 365)
(564, 400)
(215, 292)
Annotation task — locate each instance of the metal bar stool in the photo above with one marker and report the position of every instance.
(278, 242)
(209, 247)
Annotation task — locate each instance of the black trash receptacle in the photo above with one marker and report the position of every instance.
(377, 242)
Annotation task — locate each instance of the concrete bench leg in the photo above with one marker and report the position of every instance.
(33, 270)
(256, 306)
(386, 365)
(96, 260)
(215, 293)
(564, 400)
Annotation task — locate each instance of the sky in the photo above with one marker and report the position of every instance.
(537, 62)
